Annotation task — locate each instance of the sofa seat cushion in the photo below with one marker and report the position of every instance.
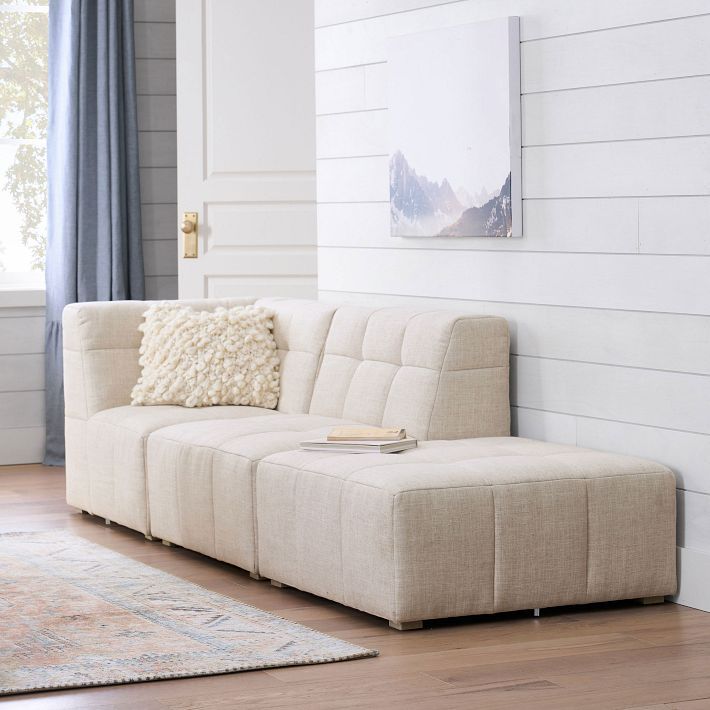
(473, 526)
(116, 454)
(201, 480)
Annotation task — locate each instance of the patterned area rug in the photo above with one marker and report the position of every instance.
(76, 614)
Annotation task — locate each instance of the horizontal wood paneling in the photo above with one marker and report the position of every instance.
(160, 257)
(159, 221)
(158, 185)
(22, 335)
(157, 149)
(678, 107)
(544, 426)
(657, 109)
(157, 122)
(21, 385)
(155, 40)
(157, 113)
(364, 42)
(595, 58)
(585, 225)
(556, 17)
(648, 397)
(21, 410)
(20, 373)
(672, 166)
(674, 284)
(352, 134)
(155, 77)
(674, 225)
(351, 89)
(154, 10)
(159, 288)
(22, 445)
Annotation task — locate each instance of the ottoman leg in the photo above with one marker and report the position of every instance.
(652, 600)
(407, 625)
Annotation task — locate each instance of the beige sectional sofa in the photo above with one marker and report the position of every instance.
(471, 522)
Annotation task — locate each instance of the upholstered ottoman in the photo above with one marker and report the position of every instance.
(472, 526)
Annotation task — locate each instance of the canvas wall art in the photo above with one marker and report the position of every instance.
(454, 125)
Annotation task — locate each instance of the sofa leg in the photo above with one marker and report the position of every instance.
(536, 611)
(407, 625)
(280, 585)
(256, 576)
(167, 543)
(149, 538)
(83, 512)
(652, 600)
(107, 521)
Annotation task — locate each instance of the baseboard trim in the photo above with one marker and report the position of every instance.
(693, 579)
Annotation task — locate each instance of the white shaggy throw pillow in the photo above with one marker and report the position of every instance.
(200, 358)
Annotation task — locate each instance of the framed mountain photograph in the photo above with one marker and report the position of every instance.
(454, 125)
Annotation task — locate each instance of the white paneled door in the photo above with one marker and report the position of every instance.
(246, 147)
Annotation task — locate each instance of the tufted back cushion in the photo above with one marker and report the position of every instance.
(300, 331)
(442, 375)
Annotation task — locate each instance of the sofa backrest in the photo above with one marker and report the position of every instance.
(442, 375)
(300, 330)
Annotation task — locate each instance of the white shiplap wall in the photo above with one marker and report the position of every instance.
(21, 384)
(155, 77)
(608, 293)
(22, 328)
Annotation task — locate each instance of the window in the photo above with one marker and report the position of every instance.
(23, 131)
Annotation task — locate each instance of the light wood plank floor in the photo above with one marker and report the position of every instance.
(618, 655)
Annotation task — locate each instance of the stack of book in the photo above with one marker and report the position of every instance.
(358, 440)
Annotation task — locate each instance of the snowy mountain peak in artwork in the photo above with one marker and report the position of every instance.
(493, 219)
(424, 208)
(420, 207)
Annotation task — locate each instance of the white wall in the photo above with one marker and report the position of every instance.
(608, 293)
(21, 384)
(22, 328)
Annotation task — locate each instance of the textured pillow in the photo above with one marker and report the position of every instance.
(200, 358)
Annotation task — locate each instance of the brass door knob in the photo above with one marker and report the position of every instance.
(188, 227)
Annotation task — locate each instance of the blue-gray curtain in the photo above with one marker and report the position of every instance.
(94, 250)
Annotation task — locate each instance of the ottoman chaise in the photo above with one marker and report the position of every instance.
(472, 526)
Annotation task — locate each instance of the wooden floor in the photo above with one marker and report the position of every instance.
(604, 656)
